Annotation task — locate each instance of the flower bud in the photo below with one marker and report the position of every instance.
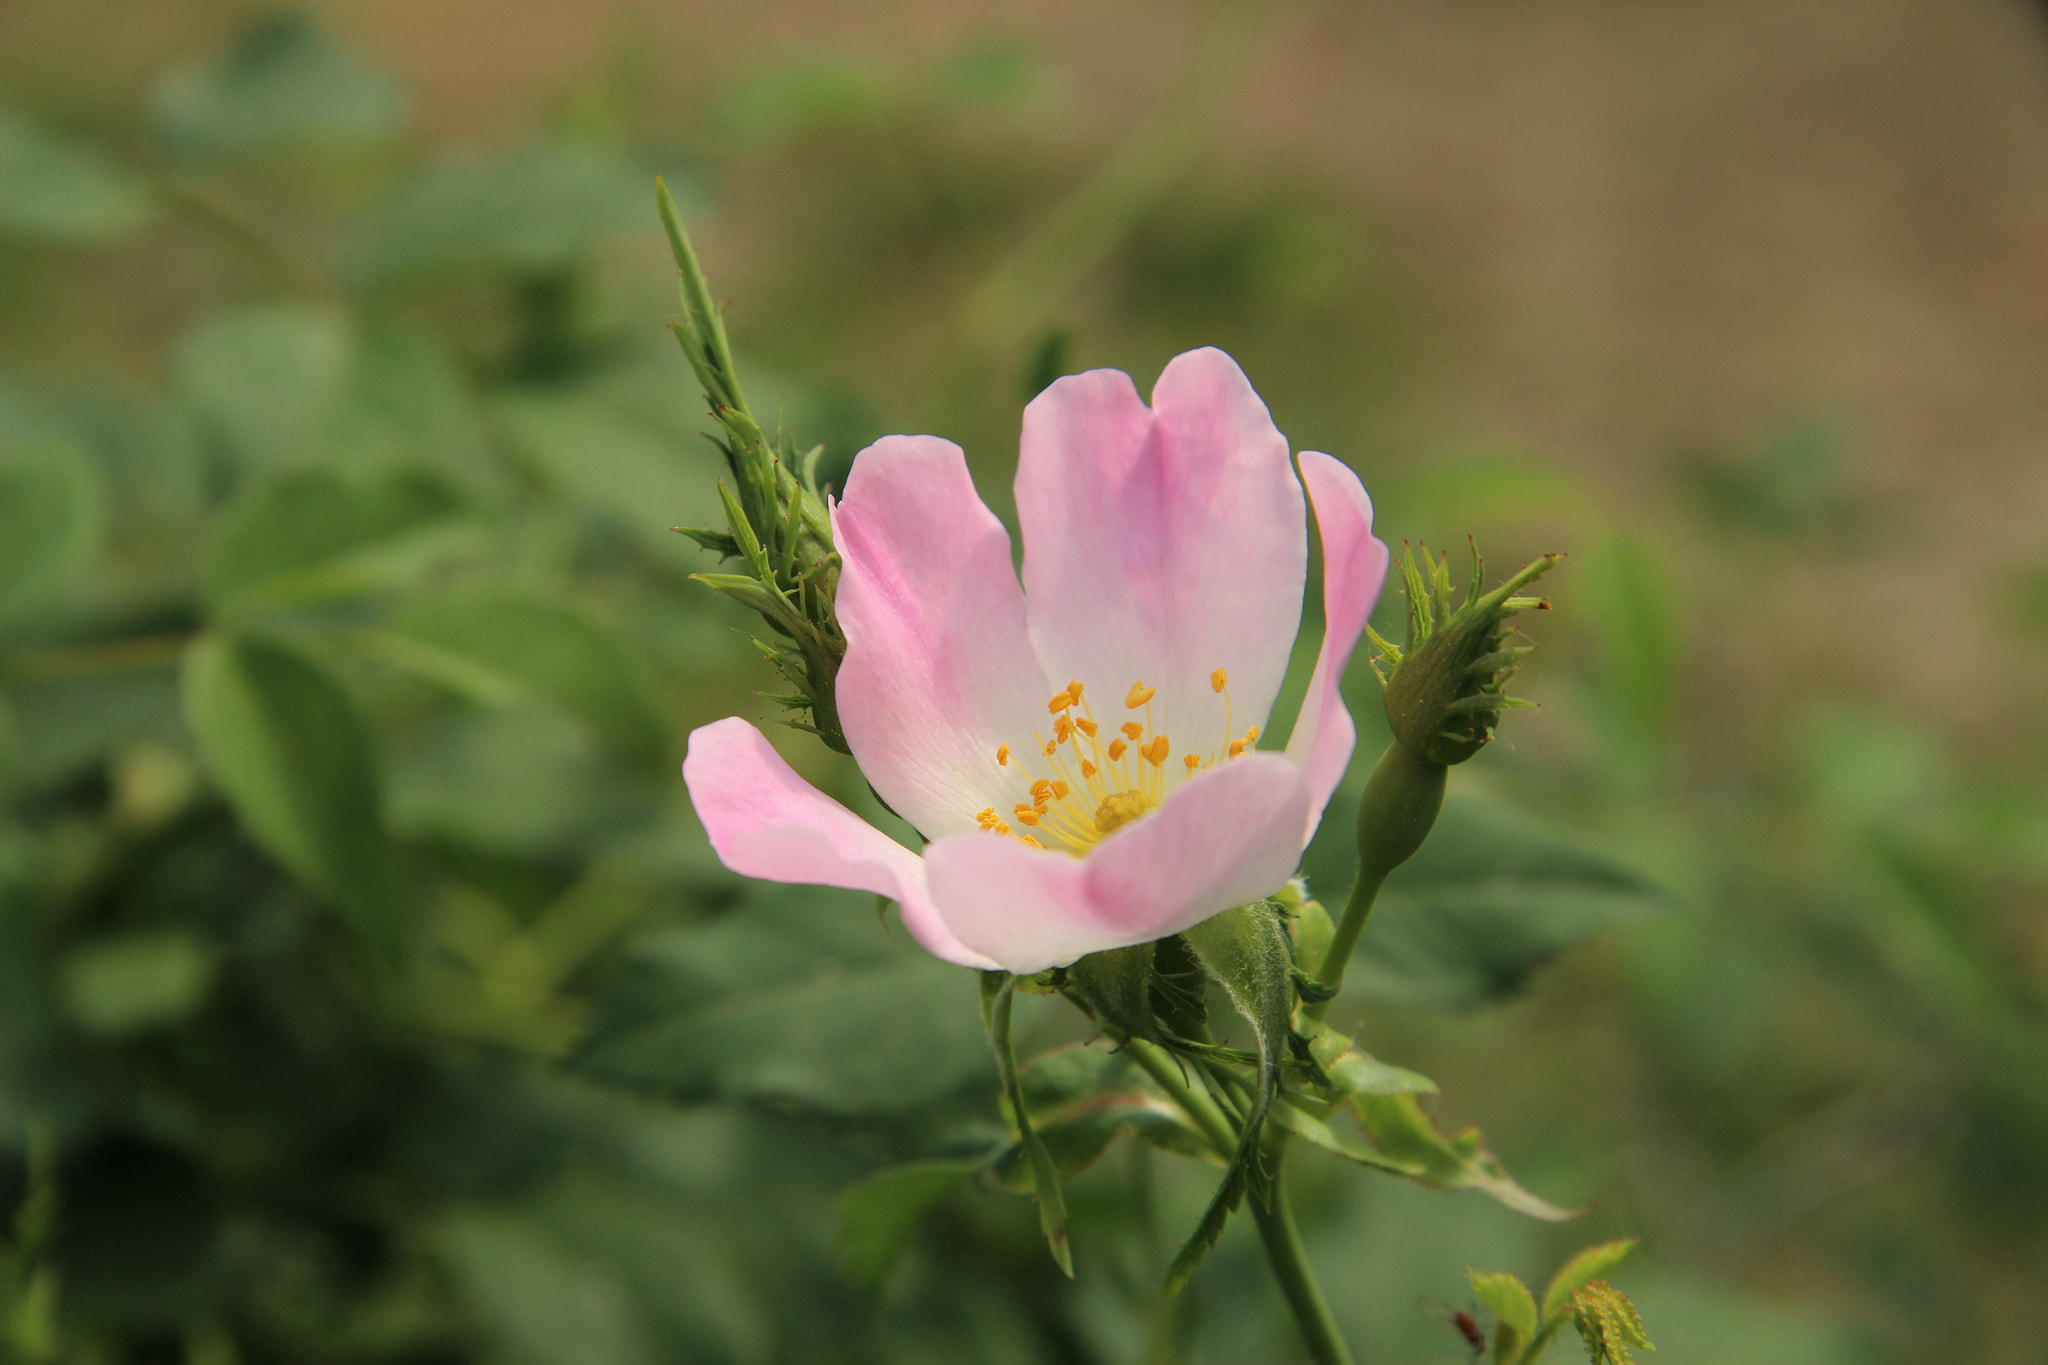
(1443, 686)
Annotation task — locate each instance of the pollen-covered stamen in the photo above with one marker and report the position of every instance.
(1098, 788)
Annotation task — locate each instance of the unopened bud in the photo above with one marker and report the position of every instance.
(1443, 686)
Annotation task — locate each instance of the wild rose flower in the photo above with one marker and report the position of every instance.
(1081, 749)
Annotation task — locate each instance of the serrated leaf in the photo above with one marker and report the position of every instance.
(1491, 897)
(797, 999)
(1116, 986)
(54, 188)
(266, 381)
(1398, 1126)
(551, 649)
(283, 82)
(1591, 1264)
(287, 746)
(877, 1216)
(1514, 1308)
(1294, 1114)
(1352, 1071)
(52, 510)
(311, 535)
(534, 210)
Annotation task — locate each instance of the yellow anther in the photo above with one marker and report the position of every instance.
(1060, 702)
(1074, 689)
(1050, 746)
(1027, 839)
(1192, 762)
(1117, 810)
(1139, 694)
(1062, 729)
(1236, 748)
(1059, 791)
(1132, 730)
(1087, 769)
(1003, 755)
(1041, 787)
(1086, 726)
(1002, 828)
(1116, 749)
(1155, 752)
(1026, 816)
(1218, 680)
(1251, 736)
(987, 815)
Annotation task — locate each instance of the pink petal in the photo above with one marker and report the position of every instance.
(767, 822)
(1230, 836)
(1163, 544)
(1354, 567)
(939, 669)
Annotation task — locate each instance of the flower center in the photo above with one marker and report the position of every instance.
(1096, 785)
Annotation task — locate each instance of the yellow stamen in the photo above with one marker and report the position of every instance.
(1002, 828)
(1027, 839)
(1062, 729)
(1155, 752)
(1192, 762)
(1139, 694)
(1251, 736)
(1087, 769)
(1074, 689)
(1026, 815)
(1002, 755)
(1050, 746)
(1060, 790)
(1236, 748)
(1218, 680)
(1060, 702)
(1116, 749)
(1132, 730)
(1086, 726)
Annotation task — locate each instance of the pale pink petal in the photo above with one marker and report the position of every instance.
(939, 668)
(1229, 836)
(766, 822)
(1354, 567)
(1163, 544)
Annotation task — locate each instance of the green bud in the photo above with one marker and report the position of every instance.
(1443, 686)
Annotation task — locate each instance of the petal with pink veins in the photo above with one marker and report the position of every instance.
(1354, 568)
(1231, 835)
(767, 822)
(1163, 543)
(939, 669)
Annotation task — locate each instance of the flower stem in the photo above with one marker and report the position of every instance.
(1396, 813)
(1297, 1280)
(1276, 1223)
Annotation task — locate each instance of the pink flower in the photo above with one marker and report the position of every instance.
(1080, 749)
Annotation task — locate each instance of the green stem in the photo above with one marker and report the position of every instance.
(1297, 1280)
(1276, 1223)
(1395, 814)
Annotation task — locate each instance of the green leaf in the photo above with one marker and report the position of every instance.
(51, 515)
(266, 381)
(550, 649)
(998, 997)
(1398, 1126)
(53, 188)
(1352, 1071)
(1514, 1309)
(1309, 1120)
(127, 983)
(533, 211)
(312, 535)
(877, 1216)
(1493, 895)
(286, 745)
(797, 998)
(284, 82)
(1591, 1264)
(1248, 953)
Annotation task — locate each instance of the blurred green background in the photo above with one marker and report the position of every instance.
(368, 992)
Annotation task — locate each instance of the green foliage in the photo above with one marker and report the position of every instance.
(51, 517)
(1578, 1294)
(59, 190)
